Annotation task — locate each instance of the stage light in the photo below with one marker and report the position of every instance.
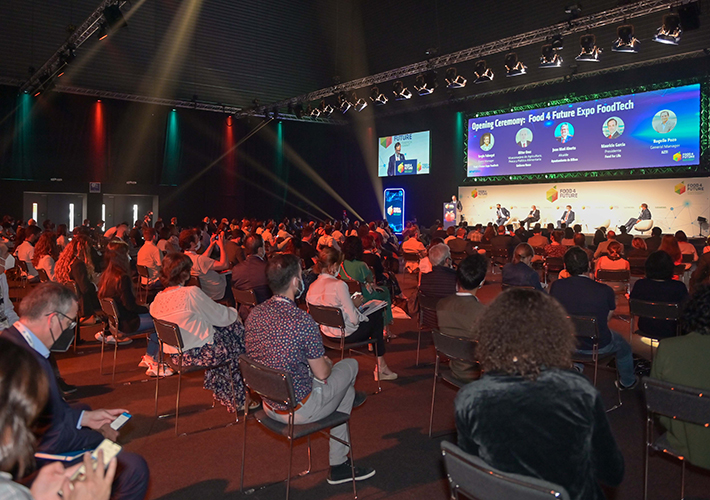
(557, 42)
(343, 103)
(483, 72)
(425, 83)
(313, 112)
(401, 93)
(359, 104)
(549, 58)
(626, 41)
(102, 32)
(590, 52)
(326, 109)
(514, 67)
(671, 30)
(377, 97)
(454, 80)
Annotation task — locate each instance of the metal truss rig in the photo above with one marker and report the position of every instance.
(618, 14)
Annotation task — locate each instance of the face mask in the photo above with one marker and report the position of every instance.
(199, 245)
(301, 288)
(9, 262)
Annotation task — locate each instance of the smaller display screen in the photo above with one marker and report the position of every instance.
(404, 154)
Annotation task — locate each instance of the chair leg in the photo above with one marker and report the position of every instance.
(290, 455)
(595, 357)
(234, 394)
(419, 343)
(377, 371)
(77, 333)
(244, 439)
(352, 458)
(157, 379)
(115, 354)
(101, 362)
(310, 462)
(682, 478)
(177, 398)
(433, 393)
(645, 472)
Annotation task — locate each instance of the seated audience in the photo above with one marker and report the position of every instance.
(684, 360)
(327, 239)
(46, 311)
(686, 248)
(353, 268)
(284, 337)
(330, 291)
(613, 259)
(639, 250)
(582, 296)
(62, 238)
(412, 245)
(624, 238)
(212, 333)
(26, 250)
(504, 241)
(568, 239)
(308, 252)
(602, 247)
(212, 281)
(7, 312)
(529, 413)
(458, 243)
(251, 274)
(45, 254)
(556, 249)
(24, 389)
(149, 256)
(706, 248)
(670, 245)
(659, 286)
(440, 282)
(599, 236)
(701, 275)
(537, 240)
(520, 271)
(75, 264)
(457, 314)
(653, 242)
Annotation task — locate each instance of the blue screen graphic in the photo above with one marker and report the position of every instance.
(394, 209)
(651, 129)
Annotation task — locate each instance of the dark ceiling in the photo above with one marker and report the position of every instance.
(232, 52)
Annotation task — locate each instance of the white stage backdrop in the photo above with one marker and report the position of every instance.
(674, 203)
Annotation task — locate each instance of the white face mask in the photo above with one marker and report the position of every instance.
(301, 288)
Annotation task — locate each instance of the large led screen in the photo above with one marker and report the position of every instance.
(651, 129)
(404, 154)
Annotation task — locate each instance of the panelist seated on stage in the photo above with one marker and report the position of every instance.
(533, 216)
(502, 215)
(567, 217)
(644, 215)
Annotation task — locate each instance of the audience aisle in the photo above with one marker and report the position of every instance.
(389, 431)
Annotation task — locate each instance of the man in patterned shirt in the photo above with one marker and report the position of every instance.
(284, 337)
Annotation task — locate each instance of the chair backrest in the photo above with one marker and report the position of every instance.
(108, 305)
(506, 286)
(353, 286)
(327, 316)
(43, 276)
(142, 271)
(679, 402)
(585, 327)
(620, 275)
(75, 288)
(427, 302)
(410, 257)
(245, 297)
(501, 253)
(22, 265)
(474, 478)
(539, 250)
(637, 265)
(455, 347)
(679, 269)
(554, 263)
(169, 333)
(268, 383)
(656, 310)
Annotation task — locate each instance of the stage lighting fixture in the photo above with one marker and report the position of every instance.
(377, 97)
(454, 80)
(401, 93)
(102, 31)
(671, 30)
(626, 41)
(343, 103)
(425, 83)
(326, 109)
(360, 104)
(313, 112)
(298, 110)
(113, 21)
(514, 67)
(557, 42)
(483, 72)
(590, 51)
(549, 58)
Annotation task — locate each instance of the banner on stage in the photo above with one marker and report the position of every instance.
(449, 214)
(394, 209)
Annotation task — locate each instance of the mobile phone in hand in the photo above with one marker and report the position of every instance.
(120, 420)
(110, 450)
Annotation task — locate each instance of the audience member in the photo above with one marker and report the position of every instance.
(212, 281)
(520, 271)
(149, 256)
(582, 296)
(213, 334)
(602, 247)
(26, 250)
(639, 250)
(457, 314)
(251, 274)
(568, 239)
(458, 243)
(440, 282)
(599, 236)
(537, 240)
(613, 259)
(683, 360)
(284, 337)
(62, 239)
(7, 312)
(504, 241)
(701, 275)
(670, 245)
(624, 238)
(75, 264)
(45, 254)
(659, 286)
(556, 249)
(685, 247)
(412, 245)
(653, 242)
(529, 413)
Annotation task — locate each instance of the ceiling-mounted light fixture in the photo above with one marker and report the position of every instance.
(401, 93)
(483, 72)
(671, 30)
(454, 80)
(626, 41)
(514, 67)
(425, 83)
(343, 103)
(377, 97)
(549, 57)
(590, 52)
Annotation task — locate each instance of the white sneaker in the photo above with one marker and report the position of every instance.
(110, 339)
(386, 374)
(163, 371)
(146, 361)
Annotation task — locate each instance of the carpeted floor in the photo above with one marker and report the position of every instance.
(389, 431)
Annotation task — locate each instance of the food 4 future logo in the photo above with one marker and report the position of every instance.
(680, 188)
(552, 194)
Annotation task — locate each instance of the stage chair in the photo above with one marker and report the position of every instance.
(333, 317)
(586, 327)
(474, 478)
(682, 403)
(169, 334)
(277, 386)
(655, 310)
(459, 348)
(427, 304)
(644, 225)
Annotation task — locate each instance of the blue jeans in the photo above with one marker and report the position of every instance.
(624, 357)
(148, 326)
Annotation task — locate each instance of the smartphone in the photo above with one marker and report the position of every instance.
(120, 420)
(110, 450)
(356, 295)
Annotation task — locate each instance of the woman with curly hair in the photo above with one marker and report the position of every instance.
(530, 413)
(45, 254)
(613, 260)
(75, 264)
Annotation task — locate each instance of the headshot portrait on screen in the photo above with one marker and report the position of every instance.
(487, 141)
(397, 156)
(564, 132)
(613, 128)
(664, 121)
(524, 137)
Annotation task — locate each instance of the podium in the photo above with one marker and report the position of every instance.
(449, 214)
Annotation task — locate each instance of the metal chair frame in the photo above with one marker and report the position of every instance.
(142, 287)
(277, 386)
(80, 313)
(586, 327)
(333, 317)
(108, 305)
(244, 297)
(622, 276)
(425, 304)
(466, 473)
(170, 334)
(668, 311)
(552, 265)
(459, 348)
(43, 276)
(667, 399)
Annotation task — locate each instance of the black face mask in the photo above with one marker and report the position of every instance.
(63, 342)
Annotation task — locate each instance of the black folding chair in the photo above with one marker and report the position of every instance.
(552, 265)
(108, 305)
(458, 348)
(654, 310)
(685, 404)
(427, 317)
(244, 298)
(471, 476)
(277, 386)
(143, 277)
